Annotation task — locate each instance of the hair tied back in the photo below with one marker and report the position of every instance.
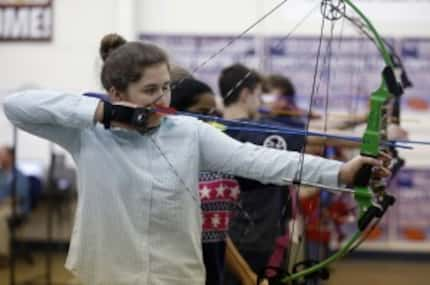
(109, 43)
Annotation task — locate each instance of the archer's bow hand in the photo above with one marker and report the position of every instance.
(350, 169)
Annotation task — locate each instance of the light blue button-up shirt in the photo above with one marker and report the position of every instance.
(138, 217)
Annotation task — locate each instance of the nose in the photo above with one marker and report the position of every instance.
(165, 100)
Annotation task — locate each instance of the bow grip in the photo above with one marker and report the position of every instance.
(363, 175)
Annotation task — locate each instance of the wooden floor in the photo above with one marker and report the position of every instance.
(350, 272)
(359, 272)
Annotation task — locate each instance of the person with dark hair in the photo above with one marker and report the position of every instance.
(8, 172)
(194, 96)
(255, 234)
(284, 93)
(281, 85)
(283, 106)
(218, 192)
(138, 218)
(240, 87)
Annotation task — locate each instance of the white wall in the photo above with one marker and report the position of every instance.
(391, 17)
(196, 17)
(70, 62)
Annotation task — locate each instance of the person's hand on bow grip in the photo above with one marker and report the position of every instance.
(350, 169)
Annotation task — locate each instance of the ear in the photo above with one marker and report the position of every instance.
(115, 95)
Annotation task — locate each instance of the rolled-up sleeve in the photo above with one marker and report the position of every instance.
(53, 115)
(219, 152)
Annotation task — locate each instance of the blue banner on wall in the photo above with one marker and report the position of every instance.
(349, 69)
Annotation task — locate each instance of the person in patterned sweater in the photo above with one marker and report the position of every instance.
(219, 192)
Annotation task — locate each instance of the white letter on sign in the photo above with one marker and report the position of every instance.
(16, 23)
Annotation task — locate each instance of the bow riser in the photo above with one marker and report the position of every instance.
(375, 123)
